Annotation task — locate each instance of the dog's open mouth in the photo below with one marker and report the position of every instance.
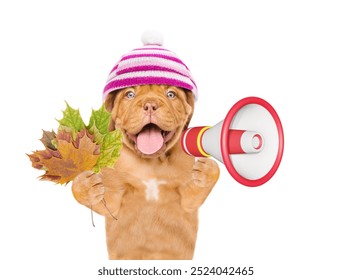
(151, 139)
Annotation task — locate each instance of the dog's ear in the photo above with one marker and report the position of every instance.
(190, 101)
(109, 101)
(110, 107)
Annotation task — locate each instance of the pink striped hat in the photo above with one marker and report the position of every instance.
(150, 64)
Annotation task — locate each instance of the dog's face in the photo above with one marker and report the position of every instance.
(151, 117)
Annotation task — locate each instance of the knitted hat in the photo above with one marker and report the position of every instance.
(150, 64)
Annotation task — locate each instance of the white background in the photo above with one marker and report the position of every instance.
(295, 54)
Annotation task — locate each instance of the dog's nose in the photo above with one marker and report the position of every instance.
(150, 106)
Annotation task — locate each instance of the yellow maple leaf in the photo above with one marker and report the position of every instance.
(70, 159)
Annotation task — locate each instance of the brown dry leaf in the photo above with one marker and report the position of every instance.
(48, 138)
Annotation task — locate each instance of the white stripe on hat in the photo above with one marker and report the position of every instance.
(157, 61)
(149, 60)
(161, 74)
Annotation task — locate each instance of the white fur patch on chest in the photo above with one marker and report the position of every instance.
(152, 189)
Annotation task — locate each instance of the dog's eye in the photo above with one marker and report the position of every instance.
(130, 94)
(171, 94)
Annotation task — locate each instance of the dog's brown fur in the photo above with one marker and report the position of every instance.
(155, 198)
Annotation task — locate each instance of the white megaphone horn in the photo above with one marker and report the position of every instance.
(249, 141)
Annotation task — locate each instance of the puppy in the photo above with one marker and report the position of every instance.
(155, 189)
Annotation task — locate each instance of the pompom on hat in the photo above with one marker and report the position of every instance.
(150, 64)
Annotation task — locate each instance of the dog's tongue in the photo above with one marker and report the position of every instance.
(150, 140)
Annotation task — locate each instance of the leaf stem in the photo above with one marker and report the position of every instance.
(91, 215)
(104, 203)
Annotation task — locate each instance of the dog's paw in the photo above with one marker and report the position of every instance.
(205, 172)
(88, 189)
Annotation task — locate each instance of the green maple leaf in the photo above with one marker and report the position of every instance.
(109, 150)
(98, 137)
(111, 142)
(71, 121)
(100, 119)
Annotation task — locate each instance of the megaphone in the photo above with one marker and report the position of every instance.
(249, 141)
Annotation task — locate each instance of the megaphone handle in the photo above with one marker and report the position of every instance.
(192, 141)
